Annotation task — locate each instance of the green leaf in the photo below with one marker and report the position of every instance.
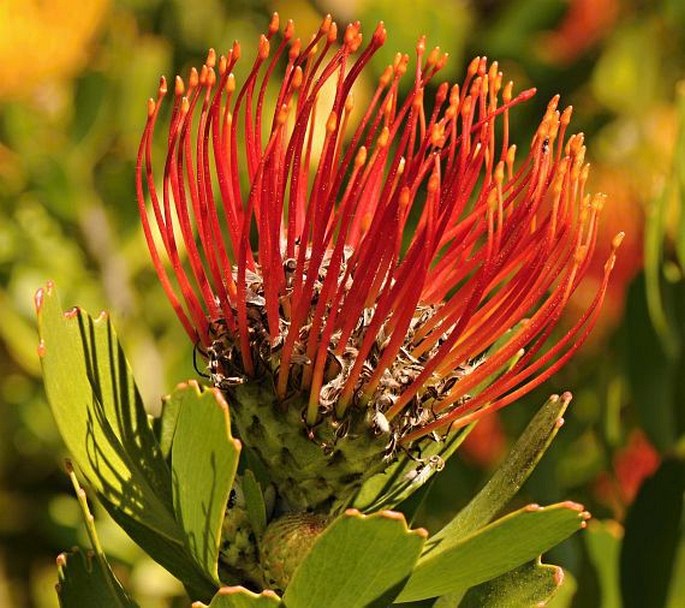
(171, 554)
(358, 561)
(100, 414)
(102, 420)
(512, 473)
(239, 597)
(401, 479)
(679, 161)
(459, 563)
(655, 232)
(676, 594)
(532, 584)
(165, 425)
(204, 460)
(651, 537)
(86, 580)
(650, 371)
(566, 596)
(603, 541)
(254, 501)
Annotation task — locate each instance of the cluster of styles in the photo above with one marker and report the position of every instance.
(362, 281)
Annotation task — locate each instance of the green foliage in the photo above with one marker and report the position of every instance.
(651, 538)
(532, 584)
(459, 563)
(85, 580)
(511, 475)
(175, 513)
(402, 478)
(254, 500)
(239, 597)
(100, 415)
(603, 541)
(651, 373)
(359, 561)
(204, 461)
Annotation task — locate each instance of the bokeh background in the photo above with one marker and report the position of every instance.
(74, 79)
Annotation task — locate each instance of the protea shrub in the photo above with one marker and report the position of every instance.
(360, 286)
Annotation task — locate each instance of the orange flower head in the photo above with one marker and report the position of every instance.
(390, 292)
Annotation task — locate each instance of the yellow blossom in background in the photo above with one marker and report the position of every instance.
(44, 40)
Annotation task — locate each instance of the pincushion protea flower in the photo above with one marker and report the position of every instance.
(399, 288)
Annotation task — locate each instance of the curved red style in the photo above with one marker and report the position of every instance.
(313, 269)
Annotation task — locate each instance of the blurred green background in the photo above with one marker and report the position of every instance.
(74, 79)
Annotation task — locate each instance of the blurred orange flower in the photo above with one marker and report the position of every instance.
(44, 40)
(584, 24)
(486, 444)
(632, 464)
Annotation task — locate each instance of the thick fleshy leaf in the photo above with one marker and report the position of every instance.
(532, 584)
(566, 595)
(511, 474)
(359, 561)
(86, 580)
(239, 597)
(100, 414)
(651, 537)
(171, 554)
(204, 460)
(509, 542)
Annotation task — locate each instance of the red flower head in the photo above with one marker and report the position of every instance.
(402, 285)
